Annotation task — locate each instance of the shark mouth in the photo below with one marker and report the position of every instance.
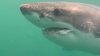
(57, 30)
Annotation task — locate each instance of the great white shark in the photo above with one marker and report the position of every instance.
(74, 26)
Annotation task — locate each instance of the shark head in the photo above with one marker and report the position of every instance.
(55, 19)
(71, 25)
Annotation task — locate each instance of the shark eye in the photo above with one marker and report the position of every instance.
(57, 12)
(41, 15)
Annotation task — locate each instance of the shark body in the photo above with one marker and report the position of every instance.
(75, 26)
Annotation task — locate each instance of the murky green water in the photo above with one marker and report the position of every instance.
(18, 37)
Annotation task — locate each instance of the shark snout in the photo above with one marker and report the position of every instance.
(25, 8)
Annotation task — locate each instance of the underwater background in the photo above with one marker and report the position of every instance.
(19, 37)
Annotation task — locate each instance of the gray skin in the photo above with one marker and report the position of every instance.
(74, 26)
